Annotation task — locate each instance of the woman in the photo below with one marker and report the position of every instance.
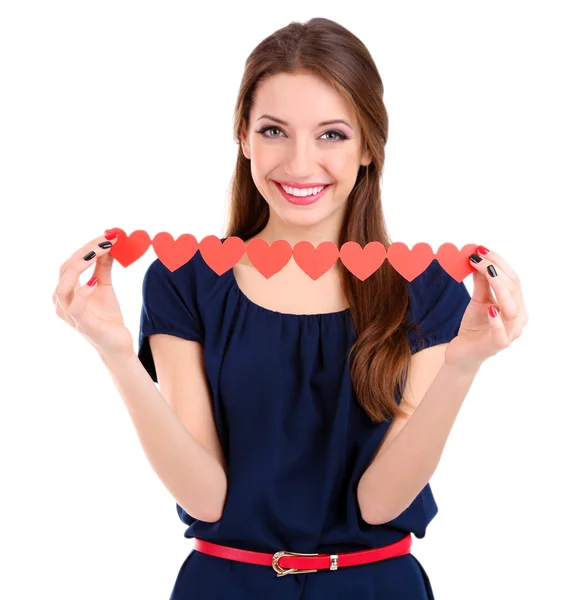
(294, 414)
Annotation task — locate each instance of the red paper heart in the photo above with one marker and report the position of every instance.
(128, 249)
(221, 257)
(174, 253)
(410, 263)
(362, 262)
(268, 260)
(315, 261)
(456, 262)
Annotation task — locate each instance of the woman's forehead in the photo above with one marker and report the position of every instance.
(299, 100)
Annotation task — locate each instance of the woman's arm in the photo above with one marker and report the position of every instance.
(193, 476)
(402, 467)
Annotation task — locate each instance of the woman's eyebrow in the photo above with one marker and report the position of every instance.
(322, 123)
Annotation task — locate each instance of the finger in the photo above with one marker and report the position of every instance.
(499, 263)
(82, 259)
(84, 319)
(68, 285)
(482, 291)
(92, 245)
(514, 283)
(499, 282)
(103, 268)
(498, 329)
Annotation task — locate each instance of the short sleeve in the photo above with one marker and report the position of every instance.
(437, 303)
(170, 306)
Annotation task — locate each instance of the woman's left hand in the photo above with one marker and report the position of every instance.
(482, 335)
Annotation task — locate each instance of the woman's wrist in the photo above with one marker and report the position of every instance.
(124, 357)
(461, 370)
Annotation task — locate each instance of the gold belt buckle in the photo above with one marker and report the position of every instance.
(280, 571)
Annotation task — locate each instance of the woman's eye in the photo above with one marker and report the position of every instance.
(340, 135)
(265, 130)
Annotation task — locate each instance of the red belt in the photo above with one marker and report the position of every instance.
(296, 562)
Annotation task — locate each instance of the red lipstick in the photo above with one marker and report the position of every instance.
(303, 200)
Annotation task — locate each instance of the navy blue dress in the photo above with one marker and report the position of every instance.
(295, 439)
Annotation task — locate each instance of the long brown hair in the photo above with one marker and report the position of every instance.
(378, 306)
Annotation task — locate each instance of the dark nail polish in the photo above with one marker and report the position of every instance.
(475, 258)
(105, 244)
(492, 271)
(90, 255)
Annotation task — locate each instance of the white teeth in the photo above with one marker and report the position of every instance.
(303, 192)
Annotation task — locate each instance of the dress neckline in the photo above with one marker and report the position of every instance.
(247, 300)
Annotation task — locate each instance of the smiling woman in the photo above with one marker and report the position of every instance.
(303, 391)
(308, 415)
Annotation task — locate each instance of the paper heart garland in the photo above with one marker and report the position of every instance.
(315, 262)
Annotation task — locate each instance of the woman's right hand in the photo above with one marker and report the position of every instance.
(93, 310)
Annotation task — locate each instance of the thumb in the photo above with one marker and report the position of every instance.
(103, 269)
(482, 288)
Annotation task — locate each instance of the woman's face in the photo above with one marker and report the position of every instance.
(290, 145)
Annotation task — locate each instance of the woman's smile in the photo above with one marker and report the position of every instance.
(301, 199)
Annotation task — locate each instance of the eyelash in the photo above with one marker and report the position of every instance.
(342, 135)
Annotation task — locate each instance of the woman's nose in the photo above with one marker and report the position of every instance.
(302, 159)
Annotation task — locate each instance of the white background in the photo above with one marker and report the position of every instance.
(120, 114)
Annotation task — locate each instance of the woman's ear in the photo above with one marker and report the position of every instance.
(244, 142)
